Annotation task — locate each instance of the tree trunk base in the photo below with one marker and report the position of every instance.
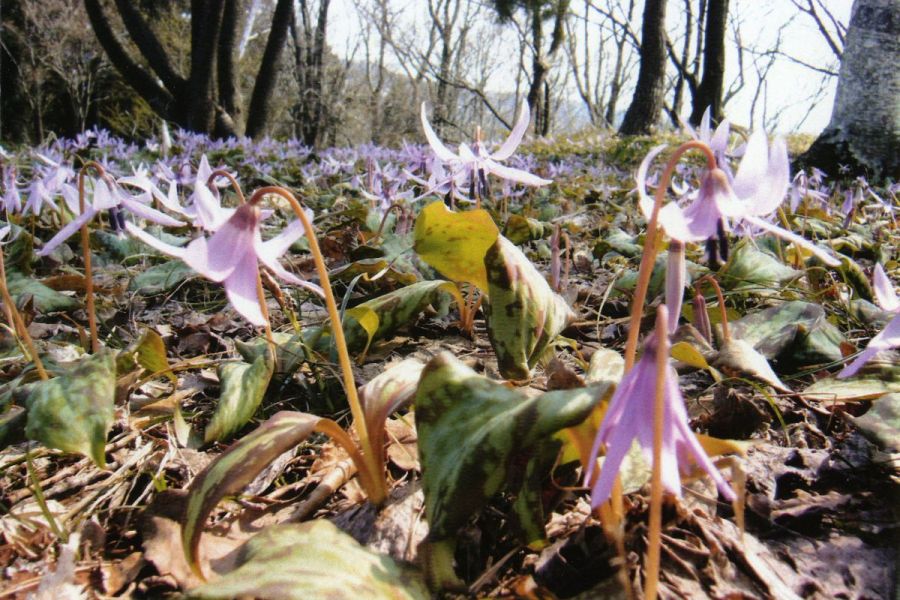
(833, 154)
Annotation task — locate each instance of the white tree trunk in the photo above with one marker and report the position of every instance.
(864, 131)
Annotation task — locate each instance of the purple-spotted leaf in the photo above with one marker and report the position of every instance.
(476, 436)
(235, 468)
(378, 318)
(455, 243)
(74, 412)
(524, 315)
(312, 560)
(242, 389)
(519, 229)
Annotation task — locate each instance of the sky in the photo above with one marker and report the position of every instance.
(786, 102)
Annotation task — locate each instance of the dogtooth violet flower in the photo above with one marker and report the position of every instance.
(758, 189)
(629, 417)
(232, 254)
(477, 162)
(110, 198)
(889, 337)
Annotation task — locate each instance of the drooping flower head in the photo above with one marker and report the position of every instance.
(232, 254)
(720, 206)
(629, 417)
(889, 337)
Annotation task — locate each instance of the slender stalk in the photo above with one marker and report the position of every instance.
(656, 488)
(234, 184)
(650, 246)
(723, 314)
(378, 492)
(86, 251)
(16, 322)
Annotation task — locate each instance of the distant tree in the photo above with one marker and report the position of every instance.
(708, 93)
(649, 93)
(206, 99)
(537, 12)
(308, 35)
(863, 134)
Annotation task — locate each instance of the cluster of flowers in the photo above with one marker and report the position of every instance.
(230, 245)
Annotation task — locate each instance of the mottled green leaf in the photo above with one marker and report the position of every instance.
(161, 278)
(524, 315)
(380, 317)
(793, 335)
(616, 240)
(312, 560)
(74, 412)
(235, 468)
(476, 436)
(455, 243)
(242, 387)
(881, 423)
(873, 381)
(46, 300)
(751, 267)
(519, 229)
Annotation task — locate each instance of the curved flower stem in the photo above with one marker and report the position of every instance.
(393, 207)
(16, 322)
(86, 251)
(723, 314)
(654, 542)
(234, 184)
(650, 246)
(377, 493)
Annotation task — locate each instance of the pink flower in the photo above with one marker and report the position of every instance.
(479, 162)
(232, 254)
(756, 192)
(109, 198)
(889, 337)
(630, 416)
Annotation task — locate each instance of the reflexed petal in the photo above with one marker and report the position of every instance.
(70, 197)
(754, 166)
(151, 214)
(774, 184)
(705, 128)
(676, 273)
(67, 231)
(618, 447)
(280, 244)
(153, 242)
(884, 290)
(699, 221)
(823, 255)
(515, 136)
(511, 174)
(440, 150)
(240, 287)
(644, 201)
(719, 141)
(887, 339)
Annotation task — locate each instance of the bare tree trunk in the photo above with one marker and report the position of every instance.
(647, 102)
(226, 75)
(309, 56)
(258, 112)
(709, 92)
(864, 131)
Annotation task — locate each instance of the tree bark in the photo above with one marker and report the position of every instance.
(863, 136)
(709, 92)
(226, 74)
(647, 102)
(258, 112)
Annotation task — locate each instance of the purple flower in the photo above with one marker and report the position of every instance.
(757, 191)
(889, 337)
(232, 254)
(630, 416)
(479, 162)
(109, 198)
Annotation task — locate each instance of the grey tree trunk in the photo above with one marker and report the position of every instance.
(864, 132)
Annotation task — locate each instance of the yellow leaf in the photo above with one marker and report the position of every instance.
(717, 446)
(368, 319)
(687, 354)
(455, 243)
